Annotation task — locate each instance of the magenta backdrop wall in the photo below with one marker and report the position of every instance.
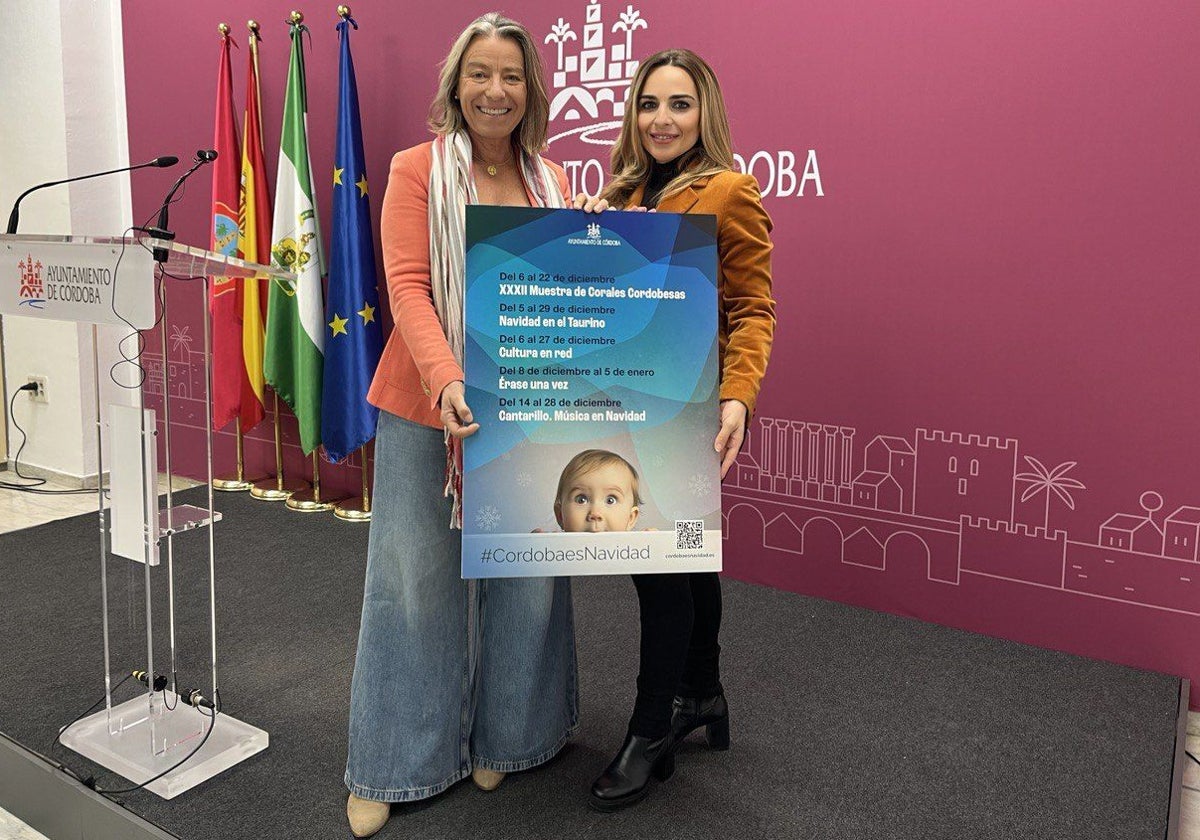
(982, 406)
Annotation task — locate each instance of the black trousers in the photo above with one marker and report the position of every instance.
(680, 620)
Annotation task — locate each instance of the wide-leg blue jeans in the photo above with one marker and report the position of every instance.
(450, 675)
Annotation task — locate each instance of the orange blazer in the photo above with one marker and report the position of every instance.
(417, 362)
(746, 310)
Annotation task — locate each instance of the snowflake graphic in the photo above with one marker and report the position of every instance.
(658, 459)
(699, 485)
(524, 479)
(487, 518)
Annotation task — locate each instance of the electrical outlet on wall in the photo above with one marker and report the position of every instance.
(40, 394)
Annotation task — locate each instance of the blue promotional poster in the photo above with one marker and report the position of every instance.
(592, 362)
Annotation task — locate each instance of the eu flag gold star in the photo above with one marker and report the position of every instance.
(367, 313)
(338, 325)
(362, 185)
(337, 174)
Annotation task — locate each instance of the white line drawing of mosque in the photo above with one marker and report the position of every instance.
(946, 504)
(592, 81)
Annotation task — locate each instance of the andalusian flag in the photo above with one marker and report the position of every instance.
(295, 315)
(354, 340)
(254, 242)
(224, 296)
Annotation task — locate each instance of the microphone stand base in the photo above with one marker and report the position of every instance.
(139, 740)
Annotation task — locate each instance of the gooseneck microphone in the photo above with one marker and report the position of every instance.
(15, 216)
(159, 231)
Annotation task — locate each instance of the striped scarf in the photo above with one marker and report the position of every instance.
(451, 189)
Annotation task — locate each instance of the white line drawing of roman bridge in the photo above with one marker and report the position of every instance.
(943, 505)
(906, 504)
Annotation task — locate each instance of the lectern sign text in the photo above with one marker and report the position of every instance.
(76, 279)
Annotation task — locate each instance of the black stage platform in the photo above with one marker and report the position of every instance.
(846, 723)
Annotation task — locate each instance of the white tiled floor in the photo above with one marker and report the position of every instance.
(22, 510)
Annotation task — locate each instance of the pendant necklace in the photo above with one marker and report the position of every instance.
(492, 168)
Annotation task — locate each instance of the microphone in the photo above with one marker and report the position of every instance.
(196, 700)
(159, 231)
(193, 698)
(160, 682)
(15, 216)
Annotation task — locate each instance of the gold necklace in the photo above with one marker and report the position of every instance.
(491, 168)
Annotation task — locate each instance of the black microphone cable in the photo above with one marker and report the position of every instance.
(209, 709)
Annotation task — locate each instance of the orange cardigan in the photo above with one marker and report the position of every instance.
(417, 361)
(746, 310)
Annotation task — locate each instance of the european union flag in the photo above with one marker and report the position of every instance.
(354, 340)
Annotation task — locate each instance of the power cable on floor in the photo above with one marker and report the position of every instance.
(36, 483)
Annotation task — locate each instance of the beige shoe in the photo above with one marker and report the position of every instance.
(486, 779)
(366, 817)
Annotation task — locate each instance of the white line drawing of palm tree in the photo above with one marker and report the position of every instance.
(631, 19)
(180, 339)
(560, 33)
(1051, 482)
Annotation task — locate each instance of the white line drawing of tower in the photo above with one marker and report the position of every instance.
(964, 474)
(597, 74)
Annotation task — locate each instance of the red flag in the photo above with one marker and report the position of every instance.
(254, 241)
(225, 296)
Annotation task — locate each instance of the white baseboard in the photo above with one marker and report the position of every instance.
(71, 482)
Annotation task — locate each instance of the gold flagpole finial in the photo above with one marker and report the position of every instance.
(223, 28)
(297, 17)
(252, 25)
(343, 12)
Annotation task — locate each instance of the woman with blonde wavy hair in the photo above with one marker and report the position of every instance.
(674, 155)
(451, 679)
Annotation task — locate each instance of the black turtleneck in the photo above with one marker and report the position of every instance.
(661, 174)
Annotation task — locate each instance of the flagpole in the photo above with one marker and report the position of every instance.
(355, 342)
(357, 509)
(239, 481)
(276, 488)
(310, 501)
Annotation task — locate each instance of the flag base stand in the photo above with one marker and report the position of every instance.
(273, 490)
(308, 501)
(231, 485)
(238, 482)
(353, 510)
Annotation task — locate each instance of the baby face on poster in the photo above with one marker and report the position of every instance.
(597, 492)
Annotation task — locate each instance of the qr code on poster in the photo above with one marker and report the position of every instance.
(689, 533)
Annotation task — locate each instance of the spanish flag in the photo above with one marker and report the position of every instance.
(254, 242)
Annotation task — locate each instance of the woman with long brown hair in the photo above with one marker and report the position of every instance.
(674, 155)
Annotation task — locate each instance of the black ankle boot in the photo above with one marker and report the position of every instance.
(627, 779)
(689, 713)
